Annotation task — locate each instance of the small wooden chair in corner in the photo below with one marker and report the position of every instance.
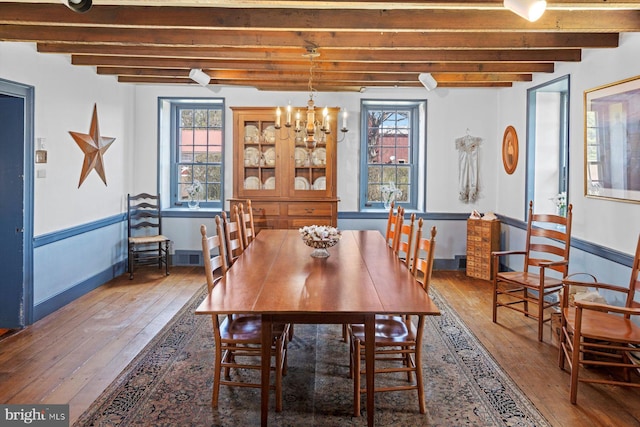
(146, 243)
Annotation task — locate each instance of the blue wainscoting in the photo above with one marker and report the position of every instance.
(71, 262)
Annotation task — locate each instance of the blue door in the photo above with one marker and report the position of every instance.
(12, 148)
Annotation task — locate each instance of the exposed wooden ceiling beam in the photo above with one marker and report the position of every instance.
(336, 55)
(339, 20)
(354, 40)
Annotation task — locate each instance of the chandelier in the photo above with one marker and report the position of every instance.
(310, 129)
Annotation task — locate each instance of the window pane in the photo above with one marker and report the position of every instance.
(199, 153)
(390, 141)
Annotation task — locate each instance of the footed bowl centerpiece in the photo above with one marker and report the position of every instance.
(320, 237)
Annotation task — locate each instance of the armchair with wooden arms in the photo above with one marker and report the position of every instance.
(601, 335)
(547, 245)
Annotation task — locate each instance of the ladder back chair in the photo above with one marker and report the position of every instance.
(404, 245)
(547, 245)
(233, 236)
(146, 243)
(238, 337)
(246, 223)
(423, 256)
(602, 335)
(398, 342)
(392, 225)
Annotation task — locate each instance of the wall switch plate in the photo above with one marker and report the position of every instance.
(42, 173)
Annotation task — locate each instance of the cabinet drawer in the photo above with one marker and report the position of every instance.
(265, 209)
(309, 209)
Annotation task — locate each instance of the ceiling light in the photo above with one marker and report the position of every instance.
(428, 81)
(78, 5)
(531, 10)
(199, 76)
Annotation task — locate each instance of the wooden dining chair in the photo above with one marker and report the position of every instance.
(405, 240)
(246, 223)
(601, 335)
(238, 337)
(423, 256)
(233, 235)
(398, 340)
(393, 226)
(546, 263)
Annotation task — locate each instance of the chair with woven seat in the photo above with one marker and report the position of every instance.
(245, 219)
(233, 235)
(601, 335)
(546, 263)
(146, 243)
(398, 341)
(238, 337)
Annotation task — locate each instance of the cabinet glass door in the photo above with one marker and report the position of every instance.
(259, 155)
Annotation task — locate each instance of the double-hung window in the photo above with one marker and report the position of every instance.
(197, 141)
(391, 157)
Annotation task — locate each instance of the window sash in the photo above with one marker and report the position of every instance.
(389, 147)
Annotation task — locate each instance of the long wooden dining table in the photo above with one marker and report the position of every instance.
(277, 278)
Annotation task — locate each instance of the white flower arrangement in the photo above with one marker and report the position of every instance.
(194, 189)
(560, 200)
(320, 233)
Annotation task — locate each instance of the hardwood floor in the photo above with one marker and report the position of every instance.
(73, 354)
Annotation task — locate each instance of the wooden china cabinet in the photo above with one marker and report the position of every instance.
(290, 185)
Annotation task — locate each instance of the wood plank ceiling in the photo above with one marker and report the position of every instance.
(369, 43)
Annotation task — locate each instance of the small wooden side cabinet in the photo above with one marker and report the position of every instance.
(483, 237)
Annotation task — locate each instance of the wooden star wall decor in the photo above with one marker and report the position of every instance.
(94, 146)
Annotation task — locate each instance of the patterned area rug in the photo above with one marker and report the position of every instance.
(169, 383)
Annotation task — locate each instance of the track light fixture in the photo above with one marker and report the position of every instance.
(199, 76)
(428, 81)
(530, 10)
(80, 6)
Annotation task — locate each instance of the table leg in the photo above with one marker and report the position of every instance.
(266, 371)
(370, 362)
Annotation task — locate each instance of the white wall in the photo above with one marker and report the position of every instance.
(612, 224)
(64, 100)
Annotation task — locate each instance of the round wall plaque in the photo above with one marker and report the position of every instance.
(510, 149)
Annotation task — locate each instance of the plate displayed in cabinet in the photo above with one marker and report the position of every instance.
(270, 183)
(301, 183)
(301, 156)
(251, 134)
(270, 134)
(320, 183)
(252, 183)
(319, 157)
(270, 157)
(251, 156)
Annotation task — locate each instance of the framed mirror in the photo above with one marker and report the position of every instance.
(612, 141)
